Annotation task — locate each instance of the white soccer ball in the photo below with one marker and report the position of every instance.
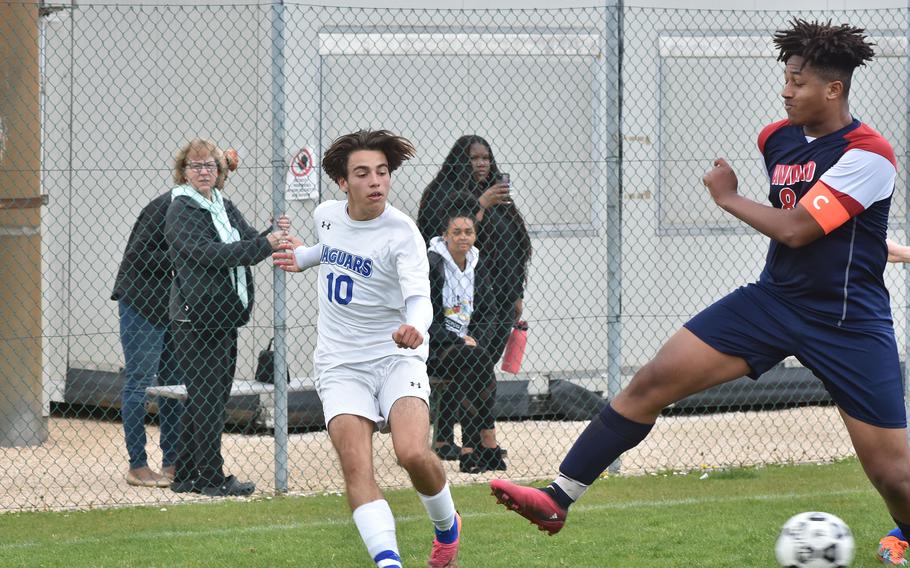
(814, 540)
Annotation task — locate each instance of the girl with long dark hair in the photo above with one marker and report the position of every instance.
(504, 244)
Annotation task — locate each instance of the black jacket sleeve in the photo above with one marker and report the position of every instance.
(191, 234)
(146, 245)
(501, 256)
(144, 276)
(203, 291)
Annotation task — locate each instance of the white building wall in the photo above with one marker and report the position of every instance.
(100, 177)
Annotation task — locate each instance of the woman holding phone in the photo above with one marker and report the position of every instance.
(503, 241)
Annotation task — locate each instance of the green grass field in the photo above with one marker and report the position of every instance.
(731, 518)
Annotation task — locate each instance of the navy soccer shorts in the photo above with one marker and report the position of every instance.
(858, 363)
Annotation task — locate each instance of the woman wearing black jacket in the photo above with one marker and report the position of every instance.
(502, 236)
(212, 247)
(141, 291)
(458, 294)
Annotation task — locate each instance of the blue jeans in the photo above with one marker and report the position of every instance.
(147, 354)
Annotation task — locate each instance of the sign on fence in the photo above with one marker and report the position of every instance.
(301, 179)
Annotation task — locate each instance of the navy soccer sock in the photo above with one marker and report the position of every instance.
(561, 497)
(901, 530)
(605, 439)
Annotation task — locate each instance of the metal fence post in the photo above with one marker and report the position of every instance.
(613, 136)
(279, 307)
(907, 221)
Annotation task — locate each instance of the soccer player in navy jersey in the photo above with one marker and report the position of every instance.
(821, 296)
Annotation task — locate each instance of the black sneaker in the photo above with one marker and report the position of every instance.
(185, 486)
(471, 463)
(492, 458)
(448, 452)
(232, 487)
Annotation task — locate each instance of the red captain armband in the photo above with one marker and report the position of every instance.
(825, 206)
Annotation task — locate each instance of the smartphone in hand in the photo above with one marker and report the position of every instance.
(506, 179)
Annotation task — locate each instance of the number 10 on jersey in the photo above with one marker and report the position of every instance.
(340, 288)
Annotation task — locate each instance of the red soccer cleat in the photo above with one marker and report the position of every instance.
(531, 503)
(446, 555)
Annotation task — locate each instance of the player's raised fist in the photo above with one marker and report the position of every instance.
(720, 180)
(407, 337)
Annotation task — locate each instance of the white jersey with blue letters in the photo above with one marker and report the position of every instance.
(366, 270)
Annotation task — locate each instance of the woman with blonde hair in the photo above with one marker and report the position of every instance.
(212, 247)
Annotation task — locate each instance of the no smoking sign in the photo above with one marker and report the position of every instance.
(302, 163)
(301, 182)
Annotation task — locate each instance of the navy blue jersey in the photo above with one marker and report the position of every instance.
(845, 181)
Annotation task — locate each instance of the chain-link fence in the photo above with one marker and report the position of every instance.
(603, 118)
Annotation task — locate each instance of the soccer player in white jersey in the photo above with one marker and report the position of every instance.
(370, 360)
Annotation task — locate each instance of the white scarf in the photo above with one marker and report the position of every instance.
(226, 232)
(458, 288)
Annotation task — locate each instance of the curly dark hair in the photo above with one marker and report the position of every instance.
(456, 168)
(395, 148)
(830, 50)
(460, 204)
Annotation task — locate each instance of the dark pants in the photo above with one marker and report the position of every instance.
(206, 359)
(495, 333)
(493, 337)
(465, 395)
(469, 394)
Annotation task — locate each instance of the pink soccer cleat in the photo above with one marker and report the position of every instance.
(532, 504)
(446, 555)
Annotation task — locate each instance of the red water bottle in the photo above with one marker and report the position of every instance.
(515, 348)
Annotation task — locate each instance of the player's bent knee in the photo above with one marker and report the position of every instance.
(355, 465)
(649, 385)
(413, 458)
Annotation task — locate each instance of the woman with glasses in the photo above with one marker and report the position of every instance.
(212, 247)
(505, 249)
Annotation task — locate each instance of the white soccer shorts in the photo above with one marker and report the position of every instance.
(370, 388)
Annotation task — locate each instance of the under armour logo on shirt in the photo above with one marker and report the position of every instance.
(326, 226)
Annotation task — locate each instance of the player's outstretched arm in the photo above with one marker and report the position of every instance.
(791, 227)
(896, 252)
(419, 316)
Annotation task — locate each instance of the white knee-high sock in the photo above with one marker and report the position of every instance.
(376, 524)
(440, 508)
